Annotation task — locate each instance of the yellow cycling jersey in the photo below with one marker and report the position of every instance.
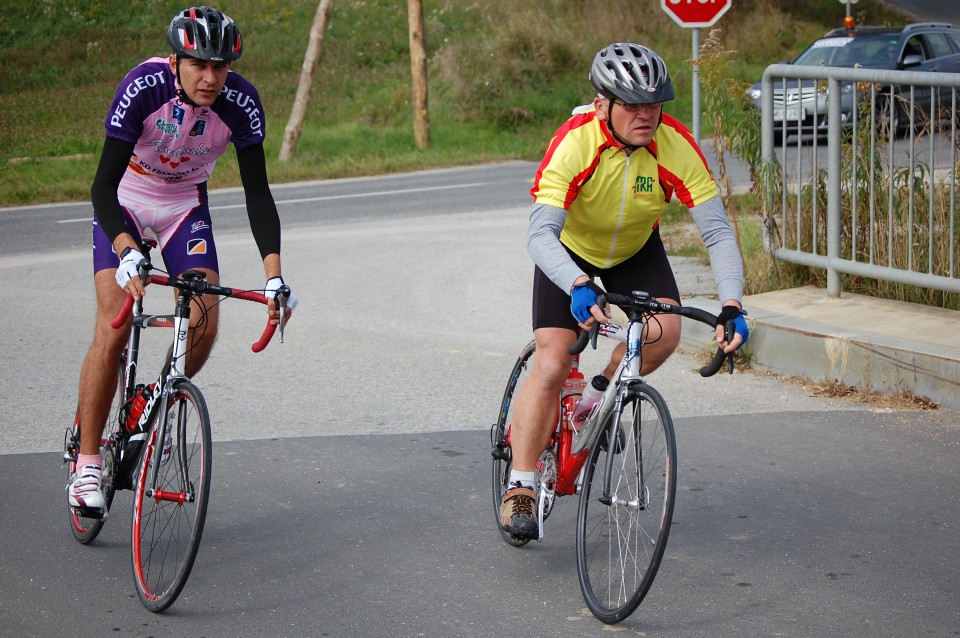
(614, 200)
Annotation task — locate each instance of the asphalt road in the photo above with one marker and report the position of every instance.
(361, 506)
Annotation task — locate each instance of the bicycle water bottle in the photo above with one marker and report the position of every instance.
(136, 407)
(588, 400)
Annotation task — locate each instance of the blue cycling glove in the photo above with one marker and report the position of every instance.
(582, 298)
(732, 313)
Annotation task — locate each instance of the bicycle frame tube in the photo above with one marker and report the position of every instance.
(628, 373)
(181, 326)
(164, 386)
(133, 353)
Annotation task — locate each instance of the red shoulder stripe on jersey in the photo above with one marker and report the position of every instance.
(685, 133)
(673, 184)
(573, 188)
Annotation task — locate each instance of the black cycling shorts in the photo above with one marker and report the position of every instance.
(648, 270)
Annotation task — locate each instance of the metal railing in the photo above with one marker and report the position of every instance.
(876, 202)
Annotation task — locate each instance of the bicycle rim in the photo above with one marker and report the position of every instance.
(168, 524)
(620, 543)
(498, 437)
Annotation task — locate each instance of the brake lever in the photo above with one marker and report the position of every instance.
(595, 330)
(729, 330)
(283, 293)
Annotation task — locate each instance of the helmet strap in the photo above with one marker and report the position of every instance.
(613, 131)
(181, 94)
(616, 135)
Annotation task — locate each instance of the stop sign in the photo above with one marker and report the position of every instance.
(695, 13)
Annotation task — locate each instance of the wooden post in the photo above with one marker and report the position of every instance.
(418, 69)
(295, 124)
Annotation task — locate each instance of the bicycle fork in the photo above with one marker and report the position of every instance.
(619, 445)
(186, 493)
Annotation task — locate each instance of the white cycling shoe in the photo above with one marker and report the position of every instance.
(84, 489)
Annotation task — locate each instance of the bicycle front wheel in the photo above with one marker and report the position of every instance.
(626, 505)
(499, 437)
(168, 515)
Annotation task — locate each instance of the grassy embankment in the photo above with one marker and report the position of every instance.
(503, 76)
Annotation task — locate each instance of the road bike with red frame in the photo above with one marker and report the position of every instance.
(165, 457)
(622, 462)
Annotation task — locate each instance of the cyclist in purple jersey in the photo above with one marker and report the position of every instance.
(170, 121)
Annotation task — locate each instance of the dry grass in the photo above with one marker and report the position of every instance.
(902, 399)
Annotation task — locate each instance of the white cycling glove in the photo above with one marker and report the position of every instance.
(130, 260)
(270, 292)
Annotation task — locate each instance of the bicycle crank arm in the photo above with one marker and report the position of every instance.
(541, 507)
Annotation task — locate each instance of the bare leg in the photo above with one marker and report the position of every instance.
(536, 409)
(98, 375)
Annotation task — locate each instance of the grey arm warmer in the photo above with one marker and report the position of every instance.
(543, 244)
(725, 262)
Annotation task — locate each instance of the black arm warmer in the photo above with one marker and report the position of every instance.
(261, 209)
(103, 193)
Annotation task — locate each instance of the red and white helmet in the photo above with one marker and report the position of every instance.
(205, 33)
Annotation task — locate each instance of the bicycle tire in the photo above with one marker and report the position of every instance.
(620, 544)
(86, 528)
(500, 447)
(166, 532)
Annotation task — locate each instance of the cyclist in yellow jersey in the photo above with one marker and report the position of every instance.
(607, 176)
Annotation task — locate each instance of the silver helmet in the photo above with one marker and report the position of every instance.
(632, 73)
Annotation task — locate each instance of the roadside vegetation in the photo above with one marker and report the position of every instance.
(503, 76)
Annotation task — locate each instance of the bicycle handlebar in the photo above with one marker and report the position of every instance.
(644, 304)
(201, 287)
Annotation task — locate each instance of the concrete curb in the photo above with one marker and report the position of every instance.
(845, 349)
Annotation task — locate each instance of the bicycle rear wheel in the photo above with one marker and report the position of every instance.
(86, 528)
(499, 441)
(622, 533)
(168, 519)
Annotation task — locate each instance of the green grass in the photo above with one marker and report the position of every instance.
(503, 76)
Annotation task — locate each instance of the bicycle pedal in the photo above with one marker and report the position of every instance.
(87, 512)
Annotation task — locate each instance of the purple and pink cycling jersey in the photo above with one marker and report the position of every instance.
(176, 149)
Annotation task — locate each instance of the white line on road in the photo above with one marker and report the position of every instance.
(327, 197)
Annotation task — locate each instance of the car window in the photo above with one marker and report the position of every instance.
(955, 38)
(939, 46)
(914, 47)
(867, 51)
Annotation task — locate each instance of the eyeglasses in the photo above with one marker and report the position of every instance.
(636, 108)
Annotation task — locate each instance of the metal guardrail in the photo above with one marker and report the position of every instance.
(873, 204)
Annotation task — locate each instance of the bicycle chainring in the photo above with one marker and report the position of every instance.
(547, 480)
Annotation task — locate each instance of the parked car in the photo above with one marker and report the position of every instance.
(801, 106)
